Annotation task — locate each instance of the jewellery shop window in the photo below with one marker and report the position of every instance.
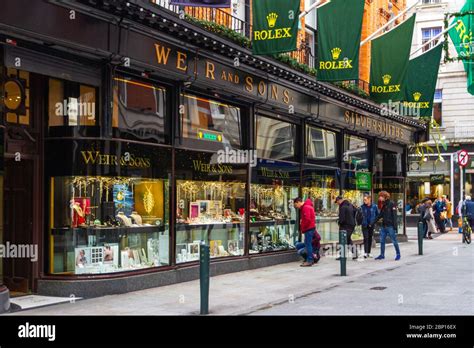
(396, 188)
(356, 185)
(139, 110)
(273, 225)
(209, 124)
(108, 224)
(71, 104)
(321, 185)
(356, 154)
(210, 206)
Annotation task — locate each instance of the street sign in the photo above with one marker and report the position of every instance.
(463, 158)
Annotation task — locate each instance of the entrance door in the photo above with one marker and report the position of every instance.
(18, 203)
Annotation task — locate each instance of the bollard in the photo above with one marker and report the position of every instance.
(343, 256)
(421, 234)
(204, 258)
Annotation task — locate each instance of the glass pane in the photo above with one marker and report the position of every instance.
(356, 156)
(55, 103)
(108, 224)
(321, 144)
(275, 139)
(212, 213)
(210, 121)
(396, 188)
(139, 109)
(88, 106)
(322, 187)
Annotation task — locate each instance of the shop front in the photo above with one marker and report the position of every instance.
(139, 165)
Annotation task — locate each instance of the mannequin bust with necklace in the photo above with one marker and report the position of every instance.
(137, 219)
(123, 219)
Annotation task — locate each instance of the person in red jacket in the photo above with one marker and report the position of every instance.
(307, 226)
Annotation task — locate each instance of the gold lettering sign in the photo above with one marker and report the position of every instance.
(363, 122)
(203, 167)
(274, 173)
(99, 159)
(215, 72)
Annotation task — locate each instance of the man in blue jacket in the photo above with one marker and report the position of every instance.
(369, 213)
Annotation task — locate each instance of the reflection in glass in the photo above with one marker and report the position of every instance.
(139, 109)
(209, 120)
(356, 156)
(108, 224)
(275, 139)
(321, 144)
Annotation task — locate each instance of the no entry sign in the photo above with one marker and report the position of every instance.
(463, 158)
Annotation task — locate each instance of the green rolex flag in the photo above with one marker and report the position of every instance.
(339, 31)
(420, 83)
(389, 62)
(462, 36)
(275, 26)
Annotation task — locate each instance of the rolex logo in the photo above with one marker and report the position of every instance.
(386, 79)
(272, 18)
(336, 52)
(417, 96)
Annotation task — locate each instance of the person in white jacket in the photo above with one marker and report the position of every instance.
(430, 219)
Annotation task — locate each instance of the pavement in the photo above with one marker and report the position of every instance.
(439, 282)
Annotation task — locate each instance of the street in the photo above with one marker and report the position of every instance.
(439, 282)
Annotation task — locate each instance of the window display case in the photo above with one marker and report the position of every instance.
(321, 185)
(273, 225)
(108, 224)
(210, 206)
(108, 206)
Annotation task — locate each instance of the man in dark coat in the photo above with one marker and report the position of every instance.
(347, 222)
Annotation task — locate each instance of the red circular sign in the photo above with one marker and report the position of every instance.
(463, 158)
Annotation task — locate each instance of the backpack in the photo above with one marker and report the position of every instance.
(358, 215)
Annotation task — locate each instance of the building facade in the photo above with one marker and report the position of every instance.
(130, 138)
(453, 111)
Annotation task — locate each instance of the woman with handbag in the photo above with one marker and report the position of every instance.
(430, 219)
(440, 214)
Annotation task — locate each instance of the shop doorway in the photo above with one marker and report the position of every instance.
(18, 225)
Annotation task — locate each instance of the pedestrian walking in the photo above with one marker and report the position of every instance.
(429, 219)
(369, 213)
(307, 227)
(389, 224)
(421, 210)
(440, 214)
(449, 213)
(347, 222)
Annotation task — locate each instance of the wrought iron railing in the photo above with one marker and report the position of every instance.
(302, 55)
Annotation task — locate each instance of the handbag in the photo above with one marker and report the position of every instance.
(427, 215)
(443, 215)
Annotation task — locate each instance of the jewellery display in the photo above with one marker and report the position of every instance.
(117, 223)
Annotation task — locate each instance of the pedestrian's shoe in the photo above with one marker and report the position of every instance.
(316, 258)
(355, 257)
(380, 257)
(366, 256)
(306, 264)
(430, 237)
(397, 257)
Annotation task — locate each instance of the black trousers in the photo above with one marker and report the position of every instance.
(368, 233)
(440, 223)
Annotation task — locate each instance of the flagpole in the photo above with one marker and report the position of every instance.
(436, 37)
(311, 8)
(388, 23)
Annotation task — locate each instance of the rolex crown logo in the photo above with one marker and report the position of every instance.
(417, 96)
(386, 79)
(272, 18)
(336, 52)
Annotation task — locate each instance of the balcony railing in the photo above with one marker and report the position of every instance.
(302, 55)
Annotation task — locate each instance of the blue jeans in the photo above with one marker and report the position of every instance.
(301, 250)
(308, 240)
(393, 236)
